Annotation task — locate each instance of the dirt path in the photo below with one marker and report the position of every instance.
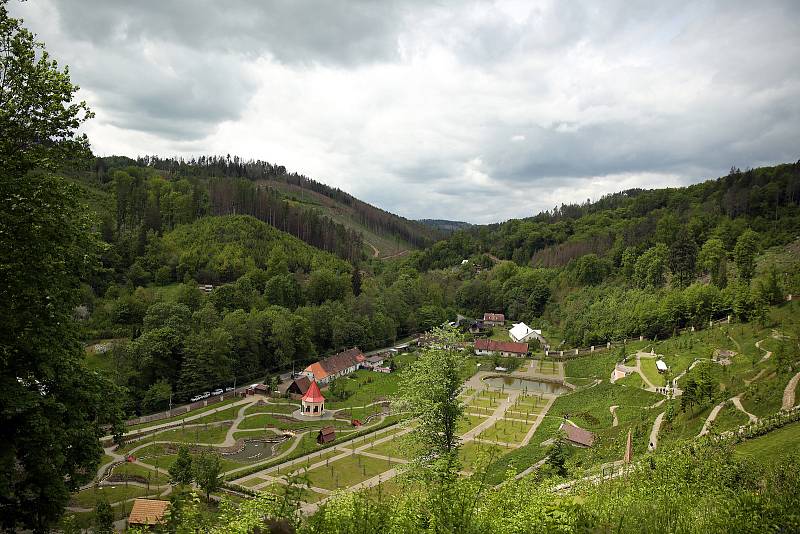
(789, 393)
(749, 381)
(737, 401)
(710, 419)
(654, 432)
(768, 352)
(375, 251)
(613, 410)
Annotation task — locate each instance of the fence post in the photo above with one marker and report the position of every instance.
(576, 352)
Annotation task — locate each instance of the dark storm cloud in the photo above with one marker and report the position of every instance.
(475, 110)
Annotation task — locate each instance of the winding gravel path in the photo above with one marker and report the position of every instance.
(654, 432)
(710, 419)
(613, 410)
(789, 393)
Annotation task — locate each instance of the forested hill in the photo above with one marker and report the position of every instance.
(763, 199)
(326, 217)
(445, 225)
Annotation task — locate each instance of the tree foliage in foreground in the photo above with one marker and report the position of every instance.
(52, 409)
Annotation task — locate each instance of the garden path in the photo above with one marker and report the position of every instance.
(789, 393)
(654, 432)
(710, 419)
(737, 401)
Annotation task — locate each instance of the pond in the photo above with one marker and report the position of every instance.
(527, 385)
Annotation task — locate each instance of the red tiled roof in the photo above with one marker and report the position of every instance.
(313, 394)
(147, 512)
(577, 434)
(494, 317)
(336, 363)
(501, 346)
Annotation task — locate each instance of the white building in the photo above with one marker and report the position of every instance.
(521, 333)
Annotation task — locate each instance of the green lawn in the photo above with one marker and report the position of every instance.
(469, 423)
(633, 380)
(284, 408)
(506, 431)
(364, 387)
(547, 367)
(116, 493)
(154, 476)
(403, 447)
(181, 417)
(648, 367)
(201, 434)
(597, 365)
(264, 420)
(776, 444)
(329, 453)
(473, 453)
(729, 418)
(347, 472)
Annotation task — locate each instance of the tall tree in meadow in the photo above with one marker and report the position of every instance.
(429, 390)
(207, 467)
(52, 409)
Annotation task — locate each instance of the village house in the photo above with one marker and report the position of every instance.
(487, 347)
(335, 366)
(521, 333)
(147, 513)
(371, 362)
(298, 387)
(576, 435)
(494, 319)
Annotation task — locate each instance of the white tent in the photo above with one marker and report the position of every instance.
(661, 366)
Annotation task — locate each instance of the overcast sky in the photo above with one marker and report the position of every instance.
(471, 111)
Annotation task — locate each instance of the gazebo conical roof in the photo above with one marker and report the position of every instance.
(313, 394)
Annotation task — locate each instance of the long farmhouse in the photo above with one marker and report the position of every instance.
(504, 348)
(335, 366)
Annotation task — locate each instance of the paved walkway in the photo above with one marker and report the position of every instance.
(789, 393)
(654, 432)
(710, 419)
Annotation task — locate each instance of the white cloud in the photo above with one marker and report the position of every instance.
(478, 112)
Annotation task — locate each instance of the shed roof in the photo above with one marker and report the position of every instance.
(494, 317)
(147, 512)
(577, 434)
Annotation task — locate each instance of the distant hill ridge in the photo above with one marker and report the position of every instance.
(384, 234)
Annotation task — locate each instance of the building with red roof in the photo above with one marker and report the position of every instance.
(485, 347)
(494, 319)
(335, 366)
(313, 403)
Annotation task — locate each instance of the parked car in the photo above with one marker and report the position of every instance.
(196, 398)
(217, 391)
(229, 388)
(207, 394)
